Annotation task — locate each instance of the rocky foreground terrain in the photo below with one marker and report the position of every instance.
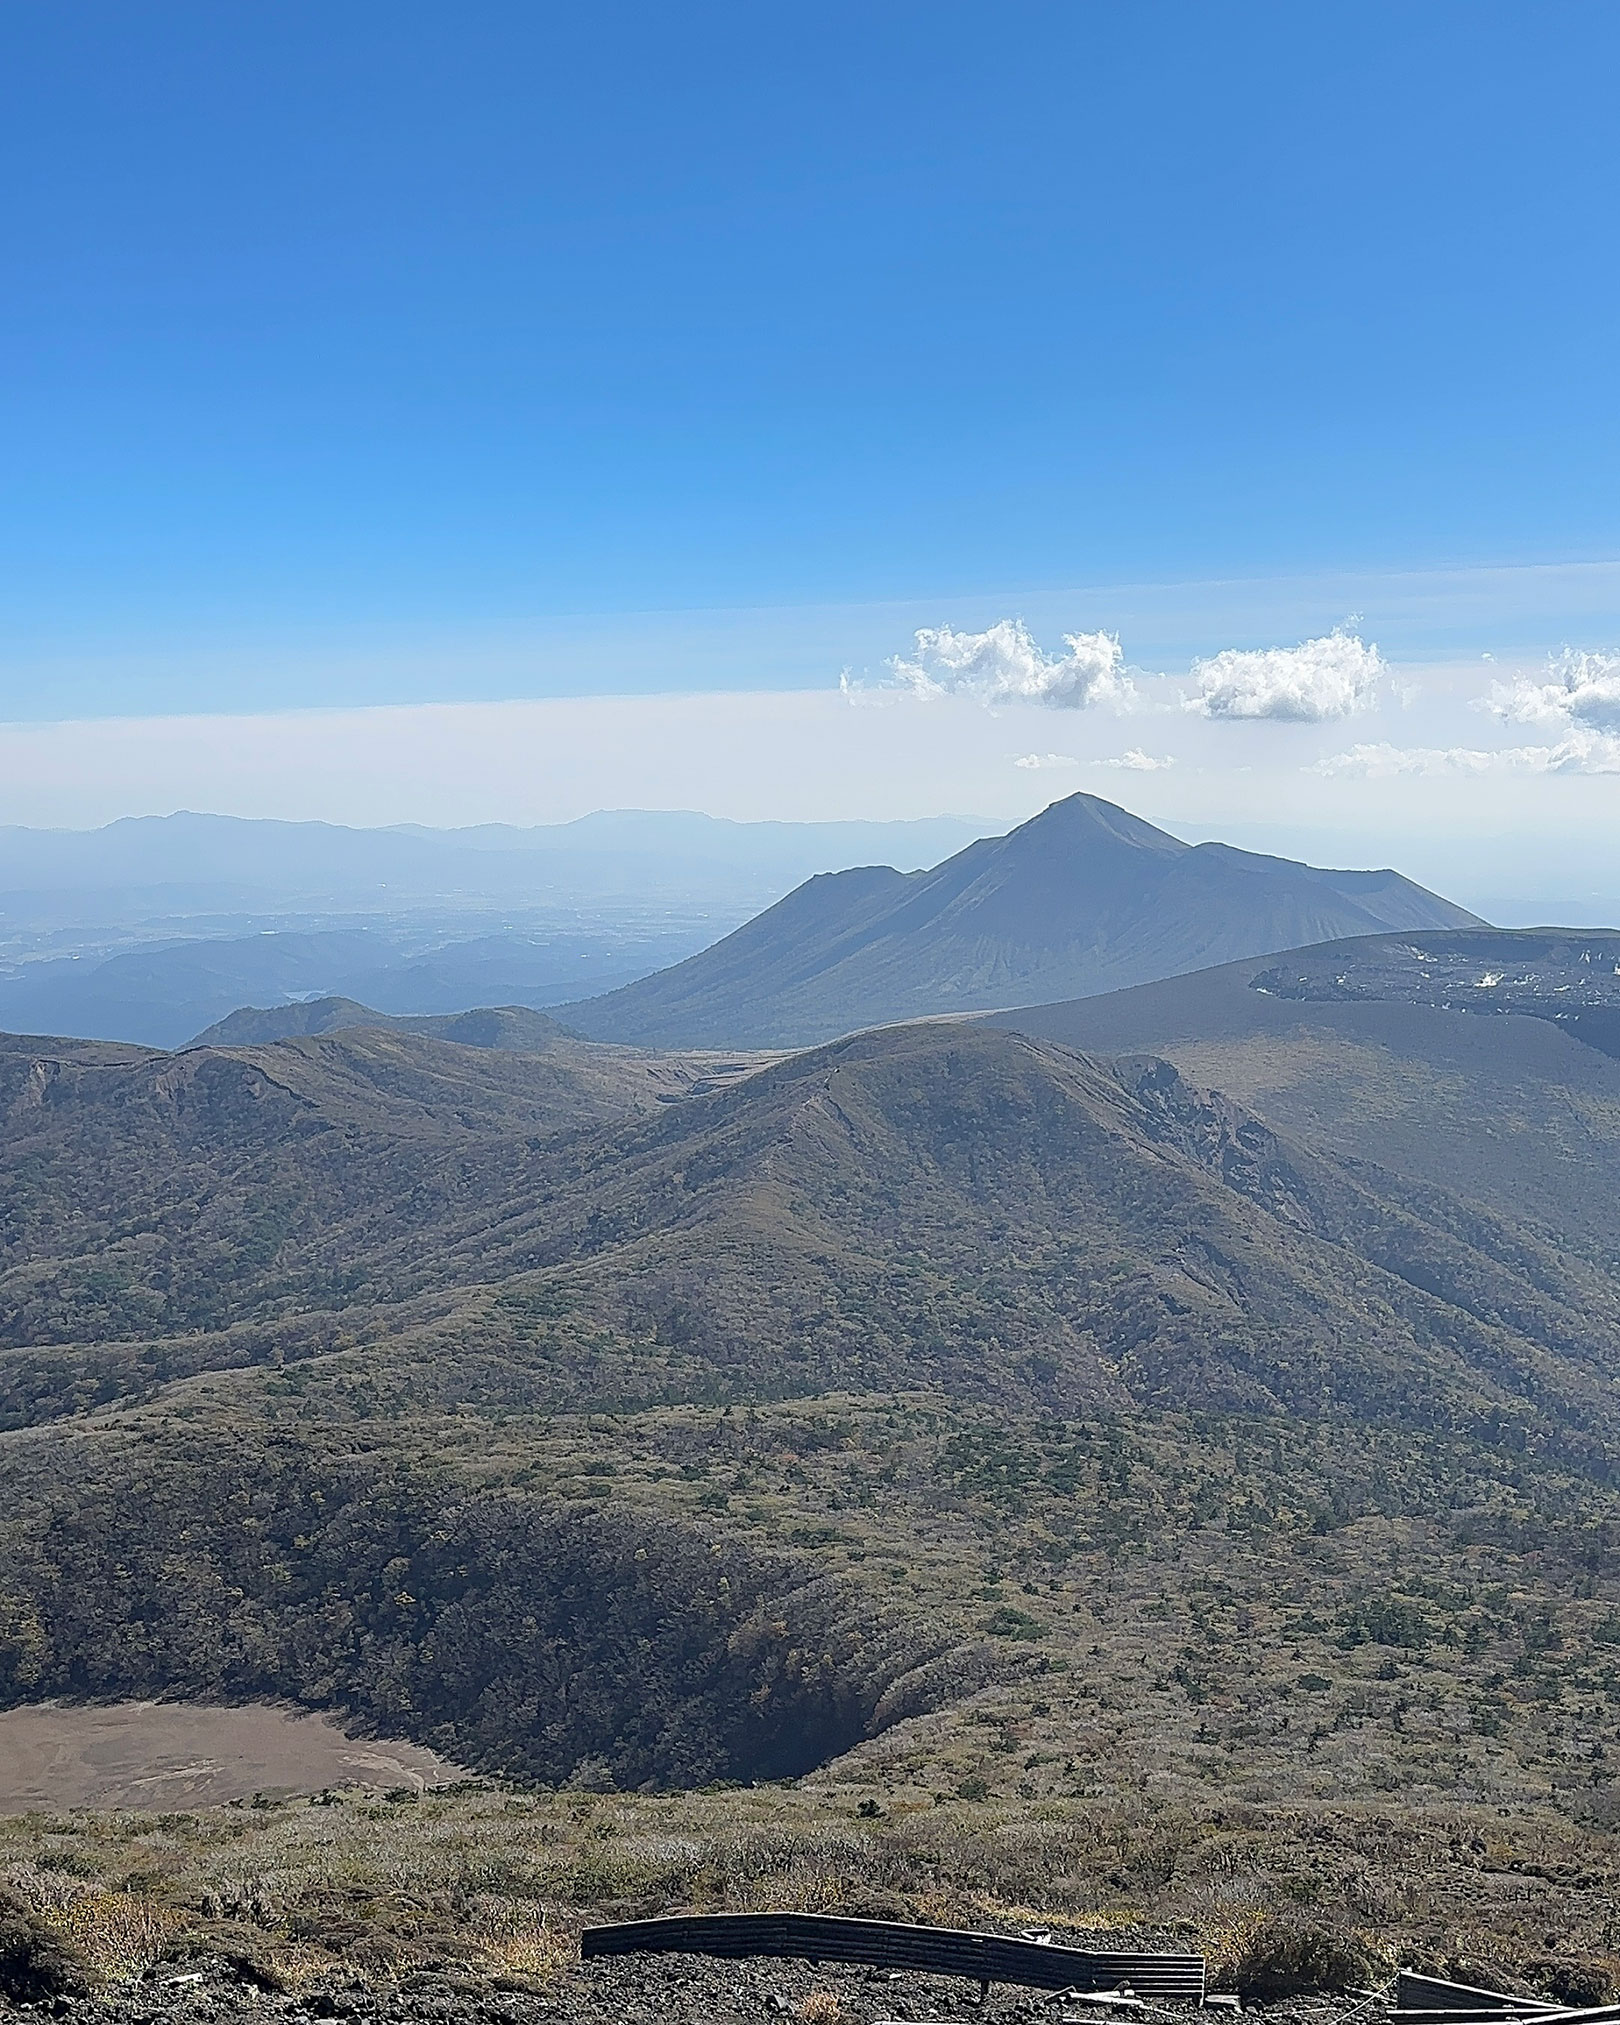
(670, 1989)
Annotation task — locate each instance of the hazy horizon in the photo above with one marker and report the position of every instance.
(742, 436)
(1561, 882)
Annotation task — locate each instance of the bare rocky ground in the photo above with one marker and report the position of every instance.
(644, 1990)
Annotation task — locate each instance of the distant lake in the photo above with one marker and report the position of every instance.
(177, 1755)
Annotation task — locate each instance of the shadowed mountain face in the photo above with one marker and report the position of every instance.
(1083, 899)
(1567, 975)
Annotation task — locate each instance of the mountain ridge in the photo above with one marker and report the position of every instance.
(947, 1199)
(515, 1027)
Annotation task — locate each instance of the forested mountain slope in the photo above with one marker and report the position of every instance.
(953, 1205)
(155, 1192)
(838, 1404)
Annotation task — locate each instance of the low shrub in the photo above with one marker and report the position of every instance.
(1578, 1984)
(1290, 1956)
(35, 1962)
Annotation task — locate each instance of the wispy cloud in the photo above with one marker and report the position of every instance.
(1132, 761)
(1003, 664)
(1582, 688)
(1137, 761)
(1333, 676)
(1583, 752)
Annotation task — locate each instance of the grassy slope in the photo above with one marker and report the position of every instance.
(941, 1205)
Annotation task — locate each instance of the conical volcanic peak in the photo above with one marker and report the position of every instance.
(1083, 898)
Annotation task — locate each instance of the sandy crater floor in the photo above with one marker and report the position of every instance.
(181, 1755)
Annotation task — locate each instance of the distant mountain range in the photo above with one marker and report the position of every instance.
(161, 993)
(1085, 898)
(230, 861)
(154, 927)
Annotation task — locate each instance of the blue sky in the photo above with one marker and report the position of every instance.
(367, 357)
(332, 326)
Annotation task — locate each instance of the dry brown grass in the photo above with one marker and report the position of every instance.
(501, 1883)
(119, 1934)
(520, 1938)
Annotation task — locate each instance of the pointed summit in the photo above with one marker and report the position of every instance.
(1082, 820)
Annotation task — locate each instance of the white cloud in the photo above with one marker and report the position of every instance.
(1334, 676)
(1004, 665)
(1137, 761)
(1582, 688)
(1132, 761)
(1583, 752)
(1387, 762)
